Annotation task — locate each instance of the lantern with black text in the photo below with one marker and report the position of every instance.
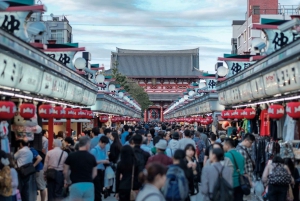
(103, 118)
(7, 110)
(58, 112)
(70, 113)
(237, 114)
(46, 111)
(27, 110)
(293, 109)
(249, 113)
(276, 111)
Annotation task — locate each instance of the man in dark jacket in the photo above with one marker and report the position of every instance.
(161, 157)
(141, 155)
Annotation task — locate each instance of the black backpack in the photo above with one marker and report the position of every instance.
(222, 190)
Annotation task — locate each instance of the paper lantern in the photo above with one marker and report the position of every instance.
(276, 111)
(27, 110)
(237, 114)
(46, 111)
(227, 114)
(70, 113)
(82, 114)
(89, 114)
(204, 122)
(249, 113)
(209, 119)
(77, 113)
(58, 112)
(103, 118)
(293, 109)
(7, 110)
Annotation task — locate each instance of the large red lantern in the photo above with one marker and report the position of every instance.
(227, 114)
(70, 113)
(46, 111)
(58, 112)
(276, 111)
(204, 122)
(103, 118)
(209, 119)
(89, 114)
(27, 110)
(82, 114)
(249, 113)
(7, 110)
(293, 109)
(237, 114)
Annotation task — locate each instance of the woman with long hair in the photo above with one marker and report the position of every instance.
(191, 163)
(126, 169)
(115, 147)
(14, 177)
(153, 178)
(295, 174)
(5, 178)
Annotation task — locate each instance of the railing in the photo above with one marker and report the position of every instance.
(282, 11)
(55, 18)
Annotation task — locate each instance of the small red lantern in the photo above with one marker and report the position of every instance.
(27, 110)
(70, 113)
(103, 118)
(58, 112)
(227, 114)
(293, 109)
(78, 113)
(249, 113)
(89, 114)
(46, 111)
(276, 111)
(7, 110)
(204, 122)
(237, 114)
(82, 114)
(209, 119)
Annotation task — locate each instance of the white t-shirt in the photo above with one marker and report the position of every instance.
(185, 141)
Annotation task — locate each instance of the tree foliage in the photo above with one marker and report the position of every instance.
(133, 88)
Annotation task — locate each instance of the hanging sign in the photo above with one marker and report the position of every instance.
(211, 84)
(59, 87)
(70, 92)
(9, 71)
(245, 92)
(47, 84)
(235, 95)
(103, 86)
(85, 97)
(78, 94)
(288, 77)
(257, 87)
(63, 57)
(236, 66)
(271, 83)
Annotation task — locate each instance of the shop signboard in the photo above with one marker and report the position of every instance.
(103, 87)
(229, 96)
(222, 97)
(245, 92)
(70, 92)
(85, 97)
(30, 78)
(235, 95)
(211, 84)
(9, 71)
(47, 84)
(78, 94)
(59, 87)
(236, 66)
(257, 87)
(63, 57)
(288, 77)
(271, 83)
(92, 98)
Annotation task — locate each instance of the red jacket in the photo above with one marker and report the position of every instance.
(160, 158)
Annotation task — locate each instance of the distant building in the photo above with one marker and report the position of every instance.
(58, 29)
(242, 34)
(164, 74)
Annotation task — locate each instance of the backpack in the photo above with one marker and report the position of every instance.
(279, 176)
(139, 155)
(176, 187)
(222, 190)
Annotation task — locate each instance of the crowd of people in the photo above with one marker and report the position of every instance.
(144, 163)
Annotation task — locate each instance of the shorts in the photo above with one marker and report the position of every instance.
(40, 181)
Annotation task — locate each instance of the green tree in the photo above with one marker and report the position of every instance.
(133, 88)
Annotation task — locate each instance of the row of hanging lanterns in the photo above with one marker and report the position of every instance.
(204, 121)
(116, 119)
(275, 111)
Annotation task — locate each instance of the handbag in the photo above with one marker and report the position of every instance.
(244, 181)
(51, 172)
(290, 195)
(133, 193)
(26, 170)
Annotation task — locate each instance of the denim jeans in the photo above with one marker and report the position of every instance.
(277, 193)
(238, 194)
(83, 191)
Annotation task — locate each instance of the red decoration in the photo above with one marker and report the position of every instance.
(237, 114)
(82, 114)
(249, 113)
(293, 110)
(27, 110)
(276, 111)
(204, 122)
(46, 111)
(70, 113)
(78, 113)
(209, 119)
(7, 110)
(58, 112)
(228, 114)
(103, 118)
(89, 114)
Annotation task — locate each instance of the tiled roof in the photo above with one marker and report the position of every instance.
(238, 22)
(173, 63)
(163, 96)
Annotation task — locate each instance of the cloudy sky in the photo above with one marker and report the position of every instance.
(103, 25)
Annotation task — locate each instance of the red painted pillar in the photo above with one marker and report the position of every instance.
(68, 128)
(161, 114)
(50, 133)
(79, 129)
(145, 116)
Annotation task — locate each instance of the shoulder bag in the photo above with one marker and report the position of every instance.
(244, 181)
(133, 194)
(51, 172)
(26, 170)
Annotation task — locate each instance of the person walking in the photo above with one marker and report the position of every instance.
(213, 139)
(174, 144)
(238, 167)
(295, 173)
(115, 148)
(210, 173)
(160, 156)
(80, 170)
(100, 154)
(94, 137)
(124, 134)
(45, 141)
(14, 177)
(5, 178)
(55, 159)
(186, 140)
(24, 158)
(154, 178)
(126, 174)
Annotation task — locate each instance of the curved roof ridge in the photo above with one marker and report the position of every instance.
(186, 51)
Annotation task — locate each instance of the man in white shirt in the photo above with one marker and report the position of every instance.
(23, 157)
(45, 141)
(186, 140)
